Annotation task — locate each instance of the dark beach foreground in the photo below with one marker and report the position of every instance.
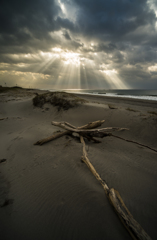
(46, 192)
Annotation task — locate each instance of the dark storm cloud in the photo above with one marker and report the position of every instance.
(66, 35)
(139, 77)
(23, 22)
(113, 18)
(106, 47)
(35, 16)
(119, 34)
(25, 25)
(65, 23)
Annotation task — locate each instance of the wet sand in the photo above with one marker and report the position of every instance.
(46, 192)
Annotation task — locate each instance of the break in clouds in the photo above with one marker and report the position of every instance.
(78, 43)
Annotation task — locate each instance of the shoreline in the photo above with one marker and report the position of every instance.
(120, 100)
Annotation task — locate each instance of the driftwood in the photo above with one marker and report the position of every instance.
(134, 228)
(54, 136)
(90, 166)
(100, 133)
(140, 144)
(3, 118)
(90, 125)
(67, 132)
(88, 131)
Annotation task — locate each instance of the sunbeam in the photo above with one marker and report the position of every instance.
(69, 72)
(47, 60)
(112, 77)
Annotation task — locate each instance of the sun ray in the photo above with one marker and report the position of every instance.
(78, 77)
(47, 59)
(113, 79)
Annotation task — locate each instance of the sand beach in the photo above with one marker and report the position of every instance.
(46, 192)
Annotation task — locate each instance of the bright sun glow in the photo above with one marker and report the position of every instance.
(71, 58)
(56, 49)
(73, 70)
(68, 57)
(153, 68)
(62, 6)
(109, 72)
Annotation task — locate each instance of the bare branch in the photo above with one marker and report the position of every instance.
(140, 144)
(94, 132)
(133, 227)
(53, 137)
(67, 125)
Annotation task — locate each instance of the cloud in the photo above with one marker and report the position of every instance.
(118, 35)
(112, 18)
(66, 35)
(31, 16)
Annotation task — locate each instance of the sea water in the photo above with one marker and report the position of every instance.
(128, 93)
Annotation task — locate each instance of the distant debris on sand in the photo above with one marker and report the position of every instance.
(3, 160)
(3, 118)
(7, 202)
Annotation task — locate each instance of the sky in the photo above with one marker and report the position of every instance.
(78, 44)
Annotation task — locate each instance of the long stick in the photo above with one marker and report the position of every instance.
(54, 136)
(90, 166)
(140, 144)
(133, 227)
(90, 125)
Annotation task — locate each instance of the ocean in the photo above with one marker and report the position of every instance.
(129, 93)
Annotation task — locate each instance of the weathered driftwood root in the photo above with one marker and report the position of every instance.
(90, 138)
(133, 227)
(67, 132)
(140, 144)
(90, 132)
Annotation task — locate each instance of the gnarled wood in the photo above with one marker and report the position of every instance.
(60, 134)
(94, 132)
(90, 125)
(133, 227)
(90, 138)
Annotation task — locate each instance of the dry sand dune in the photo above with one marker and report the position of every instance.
(46, 192)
